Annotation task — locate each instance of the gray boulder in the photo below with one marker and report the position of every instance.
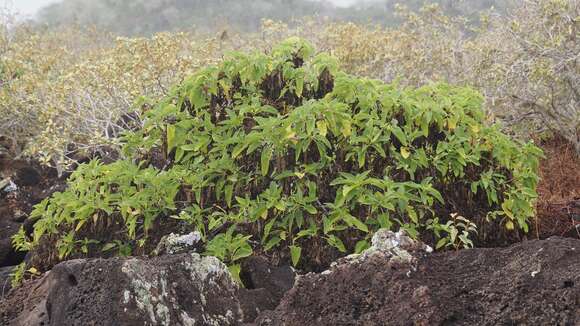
(185, 289)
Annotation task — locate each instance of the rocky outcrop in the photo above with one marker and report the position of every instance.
(530, 283)
(172, 290)
(182, 289)
(397, 281)
(185, 289)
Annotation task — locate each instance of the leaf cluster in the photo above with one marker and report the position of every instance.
(281, 151)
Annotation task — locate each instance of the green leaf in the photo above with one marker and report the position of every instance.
(265, 160)
(170, 138)
(109, 246)
(509, 225)
(299, 86)
(268, 228)
(361, 246)
(347, 189)
(353, 221)
(244, 251)
(80, 224)
(346, 128)
(179, 152)
(405, 152)
(412, 215)
(274, 241)
(229, 191)
(322, 128)
(235, 271)
(336, 242)
(295, 252)
(507, 208)
(398, 132)
(441, 243)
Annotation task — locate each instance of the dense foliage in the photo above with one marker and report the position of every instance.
(284, 151)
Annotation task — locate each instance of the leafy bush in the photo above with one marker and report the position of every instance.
(524, 62)
(286, 151)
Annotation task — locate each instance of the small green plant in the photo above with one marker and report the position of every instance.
(287, 150)
(17, 275)
(230, 249)
(123, 249)
(456, 233)
(20, 272)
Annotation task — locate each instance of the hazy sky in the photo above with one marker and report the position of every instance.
(29, 7)
(25, 7)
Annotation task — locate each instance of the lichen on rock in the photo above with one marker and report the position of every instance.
(176, 244)
(393, 246)
(154, 293)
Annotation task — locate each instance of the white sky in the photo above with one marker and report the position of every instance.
(343, 3)
(25, 7)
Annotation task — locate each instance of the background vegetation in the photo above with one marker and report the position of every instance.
(143, 17)
(64, 89)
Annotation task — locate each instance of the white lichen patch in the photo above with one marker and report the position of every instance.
(153, 295)
(126, 297)
(178, 243)
(393, 246)
(148, 291)
(207, 269)
(186, 320)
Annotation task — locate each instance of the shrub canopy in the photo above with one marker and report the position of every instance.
(283, 150)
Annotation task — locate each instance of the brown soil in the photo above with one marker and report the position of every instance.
(558, 209)
(530, 283)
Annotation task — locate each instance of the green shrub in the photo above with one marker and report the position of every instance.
(281, 151)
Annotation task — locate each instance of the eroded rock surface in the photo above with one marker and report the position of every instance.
(530, 283)
(185, 289)
(178, 243)
(396, 282)
(182, 289)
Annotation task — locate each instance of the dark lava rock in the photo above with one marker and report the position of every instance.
(5, 280)
(8, 256)
(396, 282)
(265, 285)
(180, 289)
(257, 273)
(530, 283)
(27, 176)
(184, 289)
(29, 184)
